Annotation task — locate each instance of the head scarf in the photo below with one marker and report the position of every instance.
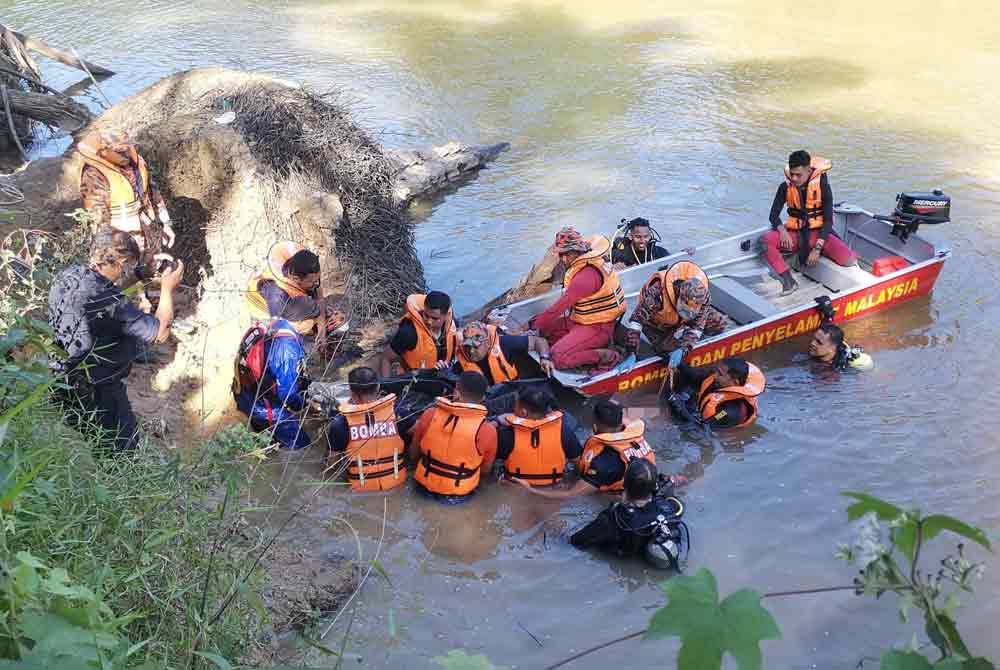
(474, 334)
(692, 295)
(569, 240)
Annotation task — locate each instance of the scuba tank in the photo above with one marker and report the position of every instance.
(670, 536)
(655, 530)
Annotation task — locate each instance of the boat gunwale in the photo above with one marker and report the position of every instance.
(802, 308)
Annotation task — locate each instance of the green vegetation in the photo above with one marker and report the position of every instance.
(888, 551)
(110, 562)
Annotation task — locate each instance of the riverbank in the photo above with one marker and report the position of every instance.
(243, 160)
(683, 114)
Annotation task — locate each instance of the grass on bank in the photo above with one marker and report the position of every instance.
(109, 562)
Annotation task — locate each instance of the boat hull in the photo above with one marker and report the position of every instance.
(891, 290)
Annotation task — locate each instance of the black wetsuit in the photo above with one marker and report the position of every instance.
(624, 252)
(622, 529)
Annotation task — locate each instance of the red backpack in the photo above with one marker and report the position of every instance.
(251, 358)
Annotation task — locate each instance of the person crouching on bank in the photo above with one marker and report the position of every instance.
(101, 331)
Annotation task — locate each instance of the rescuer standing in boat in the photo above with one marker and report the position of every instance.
(808, 228)
(674, 312)
(117, 189)
(289, 288)
(594, 299)
(425, 337)
(828, 346)
(721, 397)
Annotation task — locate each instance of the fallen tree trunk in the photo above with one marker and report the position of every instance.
(419, 173)
(63, 113)
(55, 54)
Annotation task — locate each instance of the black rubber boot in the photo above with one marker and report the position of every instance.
(788, 285)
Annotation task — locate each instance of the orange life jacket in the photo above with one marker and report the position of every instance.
(500, 368)
(628, 444)
(425, 354)
(449, 460)
(538, 457)
(374, 447)
(279, 254)
(125, 203)
(813, 210)
(608, 303)
(679, 271)
(709, 401)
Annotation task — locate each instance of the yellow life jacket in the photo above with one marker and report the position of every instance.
(278, 255)
(374, 448)
(709, 401)
(608, 303)
(538, 457)
(449, 460)
(425, 354)
(628, 444)
(500, 368)
(812, 212)
(125, 203)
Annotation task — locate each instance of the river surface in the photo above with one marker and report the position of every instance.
(683, 114)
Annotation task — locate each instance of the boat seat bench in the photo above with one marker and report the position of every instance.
(835, 277)
(738, 302)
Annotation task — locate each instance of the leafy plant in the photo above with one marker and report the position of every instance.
(709, 629)
(896, 568)
(53, 622)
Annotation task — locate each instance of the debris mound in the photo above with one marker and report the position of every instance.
(297, 134)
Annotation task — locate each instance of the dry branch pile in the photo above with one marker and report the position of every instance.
(301, 135)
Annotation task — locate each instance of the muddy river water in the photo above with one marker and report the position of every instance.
(684, 115)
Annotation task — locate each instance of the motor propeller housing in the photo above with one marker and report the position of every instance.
(916, 209)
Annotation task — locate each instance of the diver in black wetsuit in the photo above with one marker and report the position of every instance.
(646, 521)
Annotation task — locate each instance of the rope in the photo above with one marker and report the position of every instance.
(9, 194)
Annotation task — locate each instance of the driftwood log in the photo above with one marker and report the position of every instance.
(64, 57)
(26, 99)
(53, 110)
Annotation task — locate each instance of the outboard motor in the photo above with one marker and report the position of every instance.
(915, 209)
